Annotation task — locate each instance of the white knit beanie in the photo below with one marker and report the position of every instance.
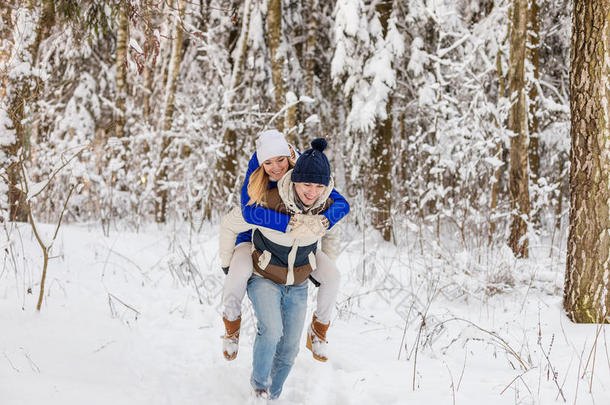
(271, 143)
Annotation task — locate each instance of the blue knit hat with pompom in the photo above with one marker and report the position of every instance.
(312, 166)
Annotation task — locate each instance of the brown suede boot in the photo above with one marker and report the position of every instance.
(230, 340)
(316, 339)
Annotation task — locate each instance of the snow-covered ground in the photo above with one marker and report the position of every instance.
(133, 318)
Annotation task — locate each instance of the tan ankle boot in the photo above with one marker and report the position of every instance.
(230, 340)
(316, 339)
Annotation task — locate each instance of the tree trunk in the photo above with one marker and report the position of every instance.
(517, 123)
(587, 284)
(170, 94)
(533, 56)
(121, 72)
(226, 163)
(5, 49)
(274, 31)
(381, 156)
(120, 151)
(563, 157)
(290, 118)
(19, 103)
(495, 188)
(174, 69)
(148, 72)
(381, 188)
(204, 14)
(307, 60)
(46, 23)
(310, 47)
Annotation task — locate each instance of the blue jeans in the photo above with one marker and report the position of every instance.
(280, 312)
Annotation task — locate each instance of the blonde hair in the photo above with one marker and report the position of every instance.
(259, 181)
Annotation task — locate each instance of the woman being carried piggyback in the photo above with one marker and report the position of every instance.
(282, 264)
(273, 158)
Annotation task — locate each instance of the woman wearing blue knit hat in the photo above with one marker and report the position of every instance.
(282, 265)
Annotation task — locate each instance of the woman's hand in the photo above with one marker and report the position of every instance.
(303, 226)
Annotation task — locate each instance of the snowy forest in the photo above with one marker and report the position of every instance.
(471, 139)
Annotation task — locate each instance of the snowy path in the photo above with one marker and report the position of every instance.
(87, 347)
